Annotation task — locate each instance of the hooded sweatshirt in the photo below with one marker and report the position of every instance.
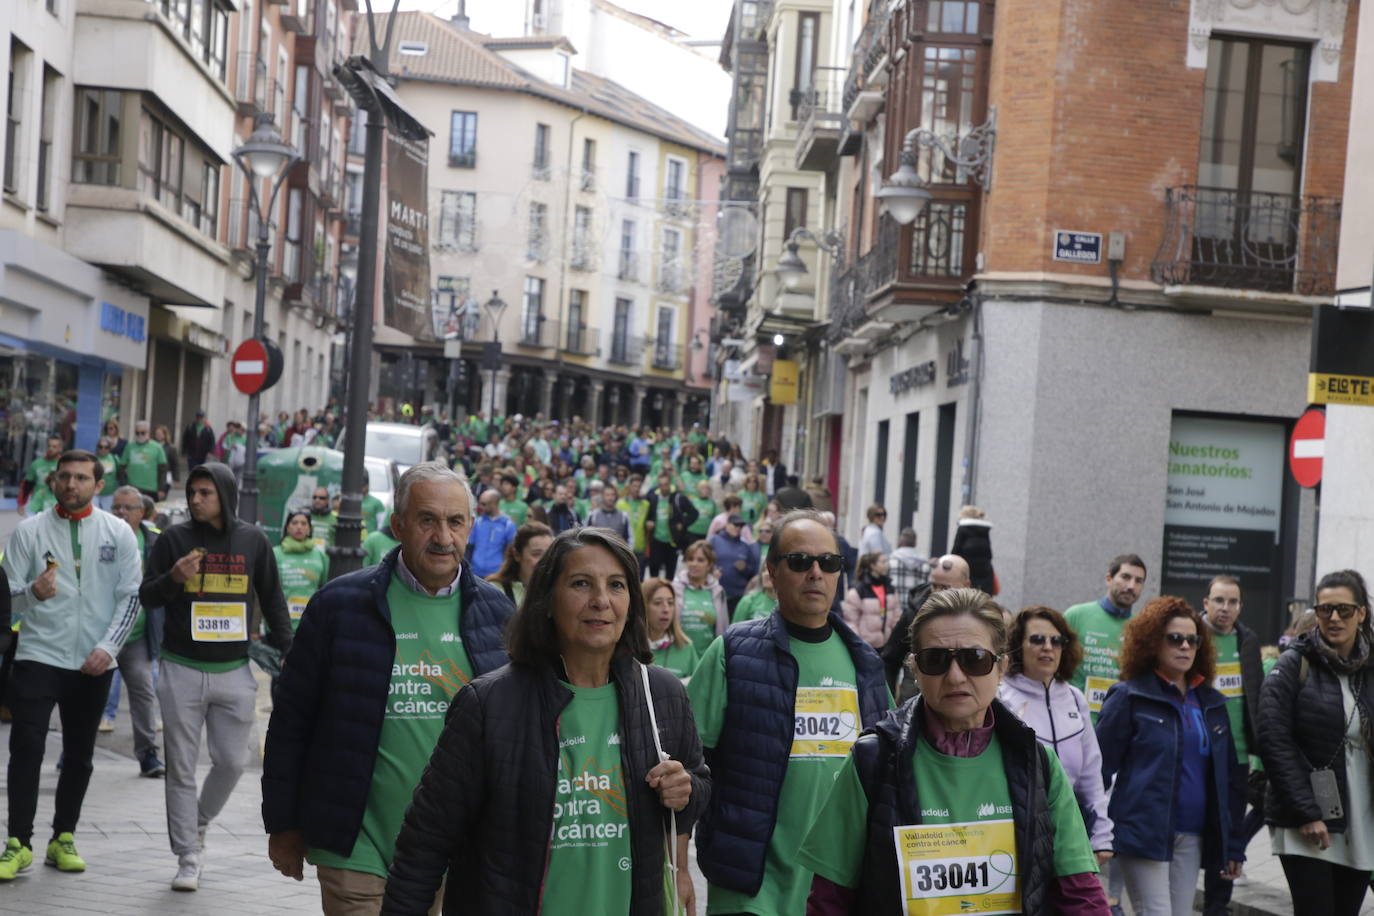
(209, 616)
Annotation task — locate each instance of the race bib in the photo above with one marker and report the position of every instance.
(296, 605)
(215, 622)
(1095, 689)
(1228, 680)
(948, 869)
(825, 721)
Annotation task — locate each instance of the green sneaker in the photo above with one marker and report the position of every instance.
(16, 858)
(62, 854)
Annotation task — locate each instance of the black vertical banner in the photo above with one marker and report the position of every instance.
(406, 296)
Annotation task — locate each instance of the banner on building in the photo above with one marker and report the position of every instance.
(406, 297)
(1223, 512)
(783, 388)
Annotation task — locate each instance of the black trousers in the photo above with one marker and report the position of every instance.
(1321, 889)
(80, 699)
(662, 557)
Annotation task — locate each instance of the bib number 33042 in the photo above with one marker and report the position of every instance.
(958, 868)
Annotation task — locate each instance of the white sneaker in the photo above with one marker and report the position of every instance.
(106, 725)
(188, 873)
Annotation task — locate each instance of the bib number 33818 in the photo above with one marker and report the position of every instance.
(958, 868)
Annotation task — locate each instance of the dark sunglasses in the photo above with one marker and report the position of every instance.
(801, 562)
(973, 662)
(1324, 611)
(1178, 639)
(1038, 639)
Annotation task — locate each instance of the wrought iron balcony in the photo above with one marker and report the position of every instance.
(250, 84)
(538, 332)
(820, 118)
(626, 350)
(1254, 240)
(582, 340)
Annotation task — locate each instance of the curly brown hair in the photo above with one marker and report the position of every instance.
(1144, 632)
(1071, 656)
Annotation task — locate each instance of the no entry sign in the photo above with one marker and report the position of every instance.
(256, 365)
(1307, 448)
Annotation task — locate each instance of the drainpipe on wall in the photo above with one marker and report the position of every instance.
(967, 488)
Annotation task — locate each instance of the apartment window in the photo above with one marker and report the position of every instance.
(949, 81)
(577, 316)
(209, 200)
(204, 24)
(51, 81)
(541, 151)
(457, 219)
(620, 331)
(808, 41)
(536, 244)
(532, 312)
(952, 17)
(20, 56)
(357, 133)
(794, 216)
(629, 268)
(161, 161)
(675, 186)
(937, 239)
(300, 123)
(663, 340)
(291, 260)
(582, 251)
(279, 88)
(632, 176)
(670, 269)
(462, 139)
(588, 164)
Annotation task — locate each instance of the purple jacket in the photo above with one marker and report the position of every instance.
(1059, 715)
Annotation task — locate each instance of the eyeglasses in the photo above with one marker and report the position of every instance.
(1224, 602)
(1038, 639)
(973, 662)
(880, 515)
(140, 432)
(1178, 639)
(120, 507)
(1324, 611)
(801, 562)
(68, 477)
(319, 497)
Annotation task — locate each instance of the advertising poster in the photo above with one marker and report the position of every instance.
(406, 297)
(1224, 509)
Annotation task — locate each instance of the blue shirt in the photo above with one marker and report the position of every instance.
(1118, 613)
(1190, 798)
(487, 543)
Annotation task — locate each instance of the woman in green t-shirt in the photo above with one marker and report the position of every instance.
(701, 604)
(301, 563)
(759, 600)
(565, 736)
(953, 756)
(753, 499)
(706, 509)
(672, 648)
(531, 541)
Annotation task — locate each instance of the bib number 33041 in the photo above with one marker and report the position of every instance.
(948, 869)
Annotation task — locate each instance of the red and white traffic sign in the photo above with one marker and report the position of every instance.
(248, 367)
(1307, 448)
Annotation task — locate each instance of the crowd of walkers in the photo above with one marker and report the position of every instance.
(575, 651)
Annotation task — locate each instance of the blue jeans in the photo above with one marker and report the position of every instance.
(112, 704)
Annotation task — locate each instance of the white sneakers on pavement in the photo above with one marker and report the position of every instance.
(188, 873)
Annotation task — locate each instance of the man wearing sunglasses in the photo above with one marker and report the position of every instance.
(779, 702)
(1099, 625)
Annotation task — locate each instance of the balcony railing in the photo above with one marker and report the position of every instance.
(626, 350)
(239, 239)
(582, 340)
(820, 118)
(677, 205)
(667, 355)
(588, 180)
(250, 84)
(298, 17)
(1255, 240)
(353, 223)
(465, 159)
(582, 257)
(671, 277)
(538, 331)
(629, 266)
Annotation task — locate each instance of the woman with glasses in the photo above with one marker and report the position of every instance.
(1178, 792)
(112, 433)
(1044, 655)
(872, 539)
(950, 801)
(1317, 706)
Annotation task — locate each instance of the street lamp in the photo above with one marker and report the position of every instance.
(495, 307)
(904, 194)
(791, 268)
(266, 156)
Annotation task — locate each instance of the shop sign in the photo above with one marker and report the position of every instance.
(124, 324)
(783, 389)
(1342, 365)
(1079, 247)
(917, 376)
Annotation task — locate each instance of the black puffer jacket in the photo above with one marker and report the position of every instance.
(973, 542)
(883, 757)
(1304, 723)
(484, 808)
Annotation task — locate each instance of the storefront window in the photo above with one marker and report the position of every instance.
(37, 399)
(109, 402)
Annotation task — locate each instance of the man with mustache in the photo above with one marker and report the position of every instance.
(378, 656)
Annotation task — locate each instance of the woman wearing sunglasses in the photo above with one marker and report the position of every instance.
(1178, 792)
(950, 801)
(1044, 655)
(1317, 707)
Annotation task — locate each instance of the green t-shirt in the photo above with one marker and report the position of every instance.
(517, 509)
(1229, 683)
(952, 790)
(302, 573)
(663, 514)
(431, 666)
(140, 461)
(637, 511)
(374, 512)
(110, 481)
(690, 480)
(377, 545)
(1100, 635)
(698, 616)
(589, 852)
(322, 528)
(754, 502)
(706, 510)
(681, 661)
(827, 697)
(37, 474)
(754, 606)
(477, 430)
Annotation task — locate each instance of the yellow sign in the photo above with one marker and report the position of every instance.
(1095, 689)
(220, 583)
(1325, 388)
(825, 721)
(948, 869)
(783, 387)
(215, 622)
(1228, 679)
(296, 605)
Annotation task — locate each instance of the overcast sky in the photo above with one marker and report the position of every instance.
(704, 19)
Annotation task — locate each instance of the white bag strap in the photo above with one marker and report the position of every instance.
(672, 815)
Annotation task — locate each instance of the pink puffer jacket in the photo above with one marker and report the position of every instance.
(868, 617)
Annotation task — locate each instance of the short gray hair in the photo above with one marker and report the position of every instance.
(790, 519)
(127, 490)
(436, 471)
